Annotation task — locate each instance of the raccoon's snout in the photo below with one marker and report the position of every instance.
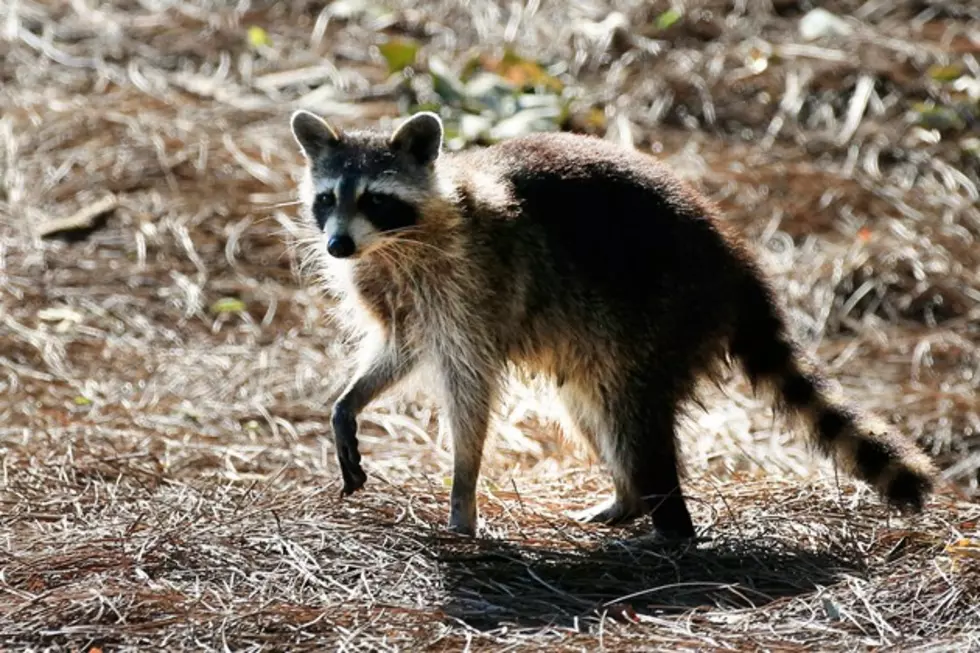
(341, 246)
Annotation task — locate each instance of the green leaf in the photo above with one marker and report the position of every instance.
(946, 73)
(258, 37)
(938, 117)
(668, 18)
(399, 53)
(228, 305)
(82, 401)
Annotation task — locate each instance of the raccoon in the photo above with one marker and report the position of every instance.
(580, 261)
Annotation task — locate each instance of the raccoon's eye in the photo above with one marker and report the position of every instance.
(324, 202)
(322, 206)
(376, 201)
(387, 212)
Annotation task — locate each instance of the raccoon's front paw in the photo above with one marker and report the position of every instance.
(344, 424)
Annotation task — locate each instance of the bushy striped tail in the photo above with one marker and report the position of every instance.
(861, 443)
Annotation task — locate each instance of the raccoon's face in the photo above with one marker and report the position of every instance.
(363, 188)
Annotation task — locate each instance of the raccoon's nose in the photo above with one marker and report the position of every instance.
(341, 246)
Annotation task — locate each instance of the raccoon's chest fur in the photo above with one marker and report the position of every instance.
(420, 307)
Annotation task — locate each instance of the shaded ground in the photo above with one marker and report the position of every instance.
(284, 565)
(165, 376)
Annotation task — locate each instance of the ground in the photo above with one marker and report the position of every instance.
(168, 478)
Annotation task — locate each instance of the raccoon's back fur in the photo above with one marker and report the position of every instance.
(587, 263)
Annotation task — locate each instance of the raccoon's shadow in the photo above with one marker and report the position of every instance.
(508, 583)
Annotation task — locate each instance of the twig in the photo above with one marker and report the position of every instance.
(86, 220)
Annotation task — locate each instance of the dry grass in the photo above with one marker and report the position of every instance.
(282, 565)
(165, 479)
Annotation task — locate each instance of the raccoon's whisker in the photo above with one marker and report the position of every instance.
(399, 266)
(278, 205)
(419, 243)
(310, 252)
(308, 241)
(308, 266)
(304, 246)
(409, 268)
(403, 230)
(261, 220)
(412, 230)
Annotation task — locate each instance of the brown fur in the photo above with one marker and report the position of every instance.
(596, 267)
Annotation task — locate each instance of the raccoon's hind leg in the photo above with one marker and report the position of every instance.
(650, 453)
(636, 441)
(648, 406)
(587, 417)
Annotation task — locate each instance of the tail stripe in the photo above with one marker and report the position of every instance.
(798, 391)
(831, 423)
(860, 442)
(908, 488)
(872, 457)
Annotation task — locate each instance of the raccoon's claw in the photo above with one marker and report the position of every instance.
(345, 439)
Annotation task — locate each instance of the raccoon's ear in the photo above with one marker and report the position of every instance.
(420, 136)
(313, 133)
